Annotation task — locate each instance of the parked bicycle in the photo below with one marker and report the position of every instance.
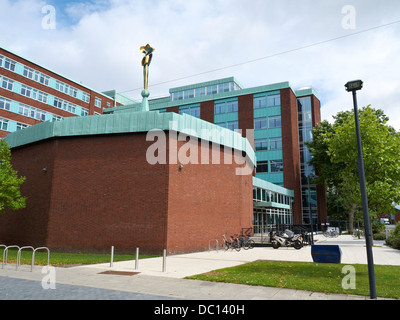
(246, 243)
(232, 243)
(331, 233)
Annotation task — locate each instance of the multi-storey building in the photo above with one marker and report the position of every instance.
(277, 120)
(30, 94)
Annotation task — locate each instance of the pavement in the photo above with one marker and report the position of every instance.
(123, 281)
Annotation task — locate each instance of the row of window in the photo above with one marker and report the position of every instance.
(37, 76)
(4, 125)
(204, 91)
(260, 194)
(267, 122)
(272, 166)
(27, 111)
(38, 95)
(268, 144)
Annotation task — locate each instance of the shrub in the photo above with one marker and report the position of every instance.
(378, 227)
(394, 239)
(379, 236)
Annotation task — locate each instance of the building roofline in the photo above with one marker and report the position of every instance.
(57, 73)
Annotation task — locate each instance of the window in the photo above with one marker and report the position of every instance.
(40, 115)
(9, 64)
(3, 124)
(219, 108)
(260, 102)
(5, 104)
(261, 144)
(21, 126)
(232, 106)
(26, 91)
(84, 112)
(276, 165)
(1, 60)
(58, 103)
(189, 94)
(260, 123)
(212, 90)
(86, 97)
(274, 100)
(233, 125)
(275, 144)
(39, 96)
(262, 167)
(7, 84)
(28, 72)
(24, 110)
(74, 92)
(200, 92)
(274, 122)
(44, 79)
(97, 102)
(56, 118)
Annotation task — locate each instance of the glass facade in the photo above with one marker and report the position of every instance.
(308, 189)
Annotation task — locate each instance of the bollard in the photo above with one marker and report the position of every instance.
(137, 259)
(112, 256)
(164, 266)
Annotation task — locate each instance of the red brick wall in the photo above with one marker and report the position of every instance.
(100, 191)
(290, 149)
(206, 201)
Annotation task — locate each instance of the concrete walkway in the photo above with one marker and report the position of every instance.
(150, 282)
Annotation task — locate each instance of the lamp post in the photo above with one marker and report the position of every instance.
(353, 87)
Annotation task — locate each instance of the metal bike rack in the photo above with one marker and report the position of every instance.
(216, 242)
(19, 255)
(5, 253)
(33, 255)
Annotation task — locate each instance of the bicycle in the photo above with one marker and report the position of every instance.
(246, 243)
(233, 243)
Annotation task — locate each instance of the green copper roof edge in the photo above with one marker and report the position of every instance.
(132, 122)
(260, 183)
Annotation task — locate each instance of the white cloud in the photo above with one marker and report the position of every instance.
(101, 47)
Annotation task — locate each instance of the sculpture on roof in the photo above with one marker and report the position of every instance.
(148, 55)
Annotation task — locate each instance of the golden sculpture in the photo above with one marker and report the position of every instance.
(148, 51)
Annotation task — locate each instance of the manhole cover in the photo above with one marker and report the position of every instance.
(120, 273)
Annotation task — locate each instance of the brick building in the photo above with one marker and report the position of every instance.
(30, 94)
(90, 185)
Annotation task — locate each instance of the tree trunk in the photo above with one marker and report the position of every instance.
(351, 217)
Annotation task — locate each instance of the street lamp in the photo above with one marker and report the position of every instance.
(353, 87)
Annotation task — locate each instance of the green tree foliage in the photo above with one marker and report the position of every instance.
(10, 183)
(335, 156)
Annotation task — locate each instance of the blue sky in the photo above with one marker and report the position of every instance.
(97, 43)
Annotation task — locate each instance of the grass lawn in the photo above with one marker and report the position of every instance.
(309, 276)
(63, 259)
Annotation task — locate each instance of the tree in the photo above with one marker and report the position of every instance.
(10, 183)
(334, 156)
